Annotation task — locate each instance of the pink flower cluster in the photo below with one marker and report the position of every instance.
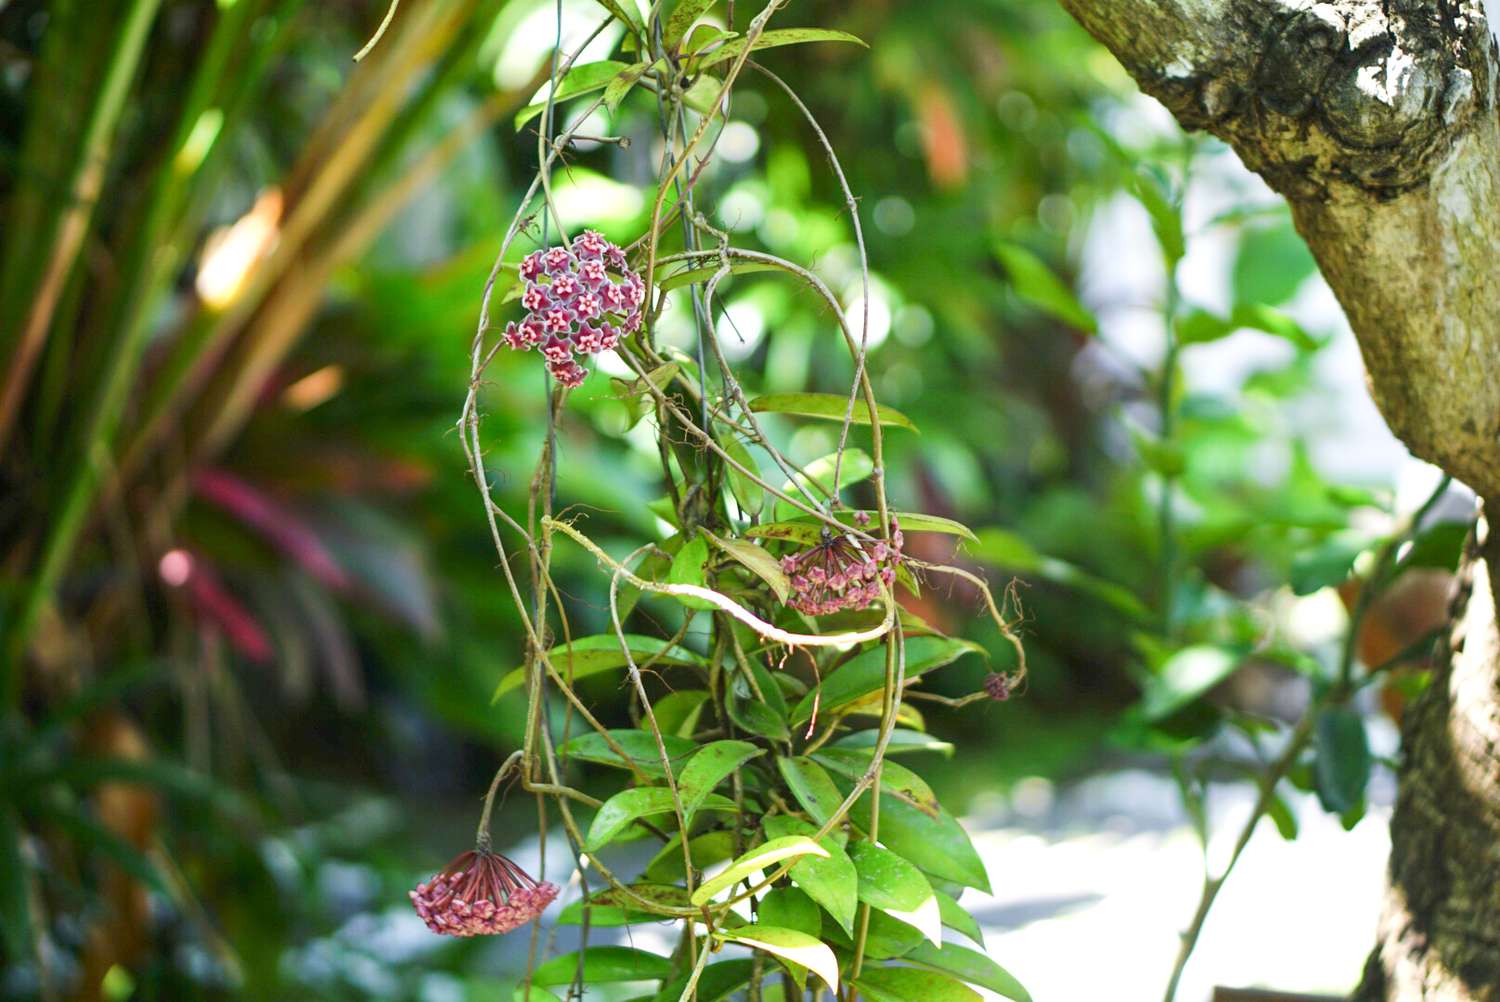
(842, 571)
(997, 686)
(580, 300)
(480, 893)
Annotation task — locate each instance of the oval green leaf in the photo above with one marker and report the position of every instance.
(798, 948)
(762, 857)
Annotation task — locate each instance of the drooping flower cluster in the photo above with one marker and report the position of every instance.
(841, 571)
(579, 301)
(480, 893)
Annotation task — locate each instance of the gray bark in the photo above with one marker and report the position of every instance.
(1377, 120)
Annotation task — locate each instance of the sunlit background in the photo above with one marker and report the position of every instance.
(289, 569)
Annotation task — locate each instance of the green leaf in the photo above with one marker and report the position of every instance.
(601, 653)
(1439, 546)
(762, 857)
(790, 945)
(937, 845)
(778, 37)
(98, 839)
(811, 786)
(1007, 550)
(638, 745)
(1270, 265)
(894, 778)
(751, 495)
(531, 993)
(758, 562)
(956, 917)
(610, 908)
(624, 11)
(1035, 283)
(692, 276)
(718, 981)
(831, 406)
(1342, 765)
(683, 16)
(601, 964)
(897, 888)
(707, 769)
(637, 395)
(1326, 565)
(622, 84)
(790, 908)
(580, 80)
(1281, 814)
(857, 465)
(677, 712)
(1184, 677)
(902, 740)
(703, 36)
(968, 965)
(865, 672)
(688, 569)
(831, 882)
(628, 806)
(808, 530)
(707, 850)
(15, 906)
(756, 717)
(908, 984)
(1166, 217)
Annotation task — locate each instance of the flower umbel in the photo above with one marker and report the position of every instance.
(571, 296)
(841, 571)
(480, 893)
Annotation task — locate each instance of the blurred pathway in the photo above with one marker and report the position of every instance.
(1092, 887)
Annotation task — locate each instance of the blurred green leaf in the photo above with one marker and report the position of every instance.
(1326, 565)
(600, 653)
(776, 37)
(1010, 551)
(1342, 766)
(1035, 284)
(1184, 677)
(1271, 264)
(832, 406)
(957, 918)
(603, 964)
(1282, 816)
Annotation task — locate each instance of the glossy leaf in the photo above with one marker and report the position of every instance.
(968, 965)
(758, 562)
(677, 712)
(603, 964)
(811, 786)
(791, 945)
(622, 84)
(708, 768)
(908, 984)
(777, 37)
(832, 882)
(708, 849)
(894, 778)
(762, 858)
(865, 672)
(897, 888)
(831, 406)
(789, 908)
(638, 745)
(937, 845)
(592, 655)
(688, 569)
(808, 530)
(956, 917)
(628, 806)
(1035, 283)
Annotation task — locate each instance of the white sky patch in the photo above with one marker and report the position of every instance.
(585, 197)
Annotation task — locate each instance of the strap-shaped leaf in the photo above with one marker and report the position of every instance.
(710, 767)
(582, 79)
(832, 881)
(758, 562)
(897, 888)
(865, 672)
(895, 779)
(957, 918)
(811, 786)
(639, 746)
(592, 655)
(629, 806)
(778, 37)
(760, 858)
(798, 948)
(1035, 283)
(828, 405)
(907, 984)
(601, 964)
(857, 465)
(968, 965)
(683, 16)
(610, 907)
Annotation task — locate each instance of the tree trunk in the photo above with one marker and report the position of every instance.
(1376, 119)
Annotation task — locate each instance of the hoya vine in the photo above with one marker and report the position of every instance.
(762, 759)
